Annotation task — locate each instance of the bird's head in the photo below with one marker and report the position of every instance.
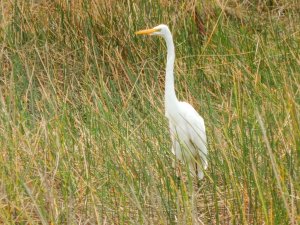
(160, 30)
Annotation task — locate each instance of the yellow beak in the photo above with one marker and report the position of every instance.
(148, 31)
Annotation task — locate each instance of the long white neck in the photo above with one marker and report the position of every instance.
(170, 96)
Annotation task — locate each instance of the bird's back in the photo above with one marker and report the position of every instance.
(188, 126)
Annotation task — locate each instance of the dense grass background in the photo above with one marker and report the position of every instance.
(83, 137)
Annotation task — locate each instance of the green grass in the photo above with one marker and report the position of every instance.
(83, 137)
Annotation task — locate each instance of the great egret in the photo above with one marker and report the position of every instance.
(186, 125)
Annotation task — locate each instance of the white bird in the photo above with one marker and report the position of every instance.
(187, 127)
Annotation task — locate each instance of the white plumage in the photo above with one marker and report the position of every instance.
(187, 127)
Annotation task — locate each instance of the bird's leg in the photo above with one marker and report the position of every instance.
(177, 172)
(197, 178)
(199, 175)
(194, 171)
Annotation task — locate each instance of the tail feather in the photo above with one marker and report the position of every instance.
(200, 175)
(204, 165)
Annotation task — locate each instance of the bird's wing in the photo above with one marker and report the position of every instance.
(195, 128)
